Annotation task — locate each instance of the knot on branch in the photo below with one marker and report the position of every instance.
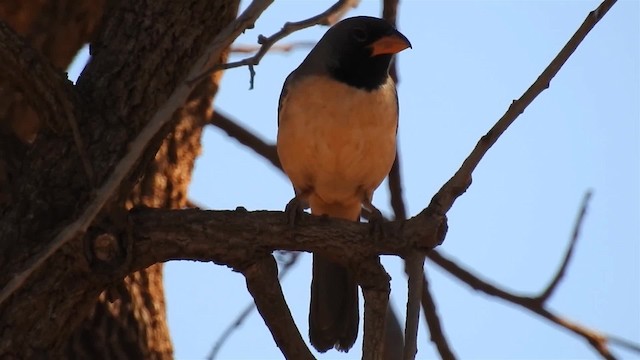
(105, 247)
(108, 250)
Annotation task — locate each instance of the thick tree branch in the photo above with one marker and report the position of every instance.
(328, 17)
(138, 146)
(375, 287)
(229, 237)
(287, 265)
(263, 284)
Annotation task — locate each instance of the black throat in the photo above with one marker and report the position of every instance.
(367, 75)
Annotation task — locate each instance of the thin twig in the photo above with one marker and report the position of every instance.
(395, 190)
(246, 138)
(235, 325)
(433, 321)
(327, 17)
(597, 340)
(546, 294)
(461, 180)
(283, 48)
(137, 147)
(624, 343)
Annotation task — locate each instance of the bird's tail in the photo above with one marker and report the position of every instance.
(333, 313)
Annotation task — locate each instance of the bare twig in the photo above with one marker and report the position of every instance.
(614, 340)
(245, 137)
(327, 17)
(461, 180)
(395, 190)
(162, 116)
(594, 338)
(263, 284)
(235, 325)
(546, 294)
(433, 321)
(283, 48)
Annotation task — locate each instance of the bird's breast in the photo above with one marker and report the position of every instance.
(335, 138)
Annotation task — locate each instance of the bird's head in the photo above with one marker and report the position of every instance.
(357, 51)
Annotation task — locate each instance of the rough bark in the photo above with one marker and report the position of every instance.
(133, 313)
(57, 30)
(136, 64)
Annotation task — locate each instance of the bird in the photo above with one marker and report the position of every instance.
(336, 141)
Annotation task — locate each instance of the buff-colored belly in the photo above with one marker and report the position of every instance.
(340, 145)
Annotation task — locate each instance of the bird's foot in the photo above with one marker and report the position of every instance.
(294, 211)
(376, 219)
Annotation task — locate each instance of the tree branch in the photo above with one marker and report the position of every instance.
(594, 338)
(286, 267)
(433, 321)
(228, 237)
(546, 293)
(328, 17)
(375, 287)
(413, 267)
(414, 264)
(461, 180)
(246, 138)
(390, 13)
(283, 48)
(136, 149)
(263, 284)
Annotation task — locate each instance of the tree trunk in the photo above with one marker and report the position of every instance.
(128, 320)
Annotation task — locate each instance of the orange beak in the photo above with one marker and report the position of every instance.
(390, 44)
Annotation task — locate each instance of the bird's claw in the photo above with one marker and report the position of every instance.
(375, 223)
(294, 211)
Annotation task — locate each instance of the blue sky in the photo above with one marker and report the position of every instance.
(469, 60)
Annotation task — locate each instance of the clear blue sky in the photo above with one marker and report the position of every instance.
(469, 60)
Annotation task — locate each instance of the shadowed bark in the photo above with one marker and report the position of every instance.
(110, 107)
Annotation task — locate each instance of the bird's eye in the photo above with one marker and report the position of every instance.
(359, 34)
